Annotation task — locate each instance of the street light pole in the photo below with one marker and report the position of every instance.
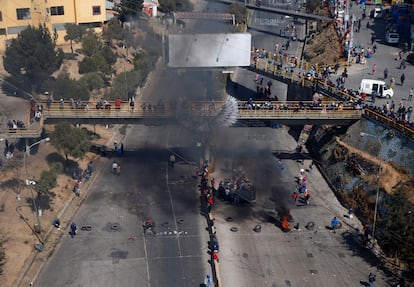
(378, 184)
(30, 182)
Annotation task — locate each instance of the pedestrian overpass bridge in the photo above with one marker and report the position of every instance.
(261, 113)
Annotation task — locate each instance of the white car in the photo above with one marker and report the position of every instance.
(392, 38)
(377, 13)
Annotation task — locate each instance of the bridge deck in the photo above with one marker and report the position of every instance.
(275, 112)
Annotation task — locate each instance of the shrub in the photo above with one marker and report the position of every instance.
(92, 81)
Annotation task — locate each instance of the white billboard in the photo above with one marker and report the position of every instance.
(209, 50)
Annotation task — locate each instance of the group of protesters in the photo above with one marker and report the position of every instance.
(301, 185)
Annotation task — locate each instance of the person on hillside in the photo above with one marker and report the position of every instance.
(335, 223)
(371, 279)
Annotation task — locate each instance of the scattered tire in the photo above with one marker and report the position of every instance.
(257, 228)
(229, 219)
(86, 228)
(234, 229)
(115, 226)
(310, 225)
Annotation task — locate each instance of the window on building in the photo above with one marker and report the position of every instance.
(96, 10)
(57, 10)
(23, 13)
(2, 31)
(1, 16)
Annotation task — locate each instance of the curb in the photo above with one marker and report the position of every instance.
(29, 264)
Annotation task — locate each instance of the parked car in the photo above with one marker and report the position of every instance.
(376, 13)
(392, 38)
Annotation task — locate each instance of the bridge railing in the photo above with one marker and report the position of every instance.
(259, 110)
(286, 70)
(306, 114)
(390, 121)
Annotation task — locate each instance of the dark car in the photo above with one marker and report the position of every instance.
(410, 58)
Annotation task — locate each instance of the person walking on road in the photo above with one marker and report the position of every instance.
(207, 281)
(385, 73)
(402, 78)
(118, 169)
(114, 167)
(295, 196)
(172, 160)
(73, 229)
(372, 39)
(371, 279)
(392, 82)
(374, 69)
(410, 96)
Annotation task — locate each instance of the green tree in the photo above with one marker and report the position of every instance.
(109, 55)
(73, 33)
(125, 84)
(33, 54)
(239, 11)
(15, 164)
(87, 65)
(67, 88)
(91, 44)
(92, 81)
(129, 8)
(71, 141)
(113, 31)
(98, 57)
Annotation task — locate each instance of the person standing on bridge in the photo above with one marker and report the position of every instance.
(131, 104)
(48, 103)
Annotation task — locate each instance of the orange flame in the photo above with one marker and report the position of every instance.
(285, 223)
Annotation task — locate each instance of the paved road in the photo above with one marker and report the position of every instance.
(384, 57)
(147, 187)
(302, 257)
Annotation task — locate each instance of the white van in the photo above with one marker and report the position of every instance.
(368, 85)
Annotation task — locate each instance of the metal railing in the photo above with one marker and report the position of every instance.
(390, 121)
(260, 110)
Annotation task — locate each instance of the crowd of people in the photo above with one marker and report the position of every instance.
(316, 105)
(301, 185)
